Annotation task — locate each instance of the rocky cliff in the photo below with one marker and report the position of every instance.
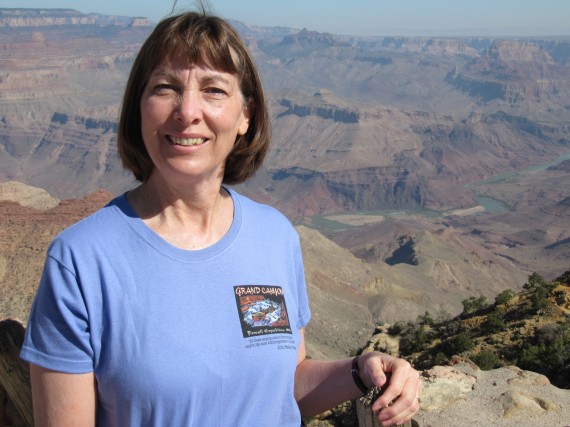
(327, 112)
(517, 72)
(437, 46)
(512, 50)
(26, 18)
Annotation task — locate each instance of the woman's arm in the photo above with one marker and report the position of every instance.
(321, 385)
(62, 399)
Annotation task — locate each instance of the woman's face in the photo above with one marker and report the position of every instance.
(191, 116)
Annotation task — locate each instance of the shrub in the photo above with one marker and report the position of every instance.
(504, 297)
(560, 298)
(472, 304)
(530, 358)
(440, 359)
(426, 319)
(397, 328)
(550, 355)
(486, 360)
(458, 344)
(540, 300)
(535, 281)
(494, 323)
(413, 340)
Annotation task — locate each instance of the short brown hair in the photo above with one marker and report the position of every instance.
(208, 40)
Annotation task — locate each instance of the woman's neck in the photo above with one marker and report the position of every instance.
(190, 217)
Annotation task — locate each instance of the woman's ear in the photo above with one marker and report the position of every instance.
(244, 125)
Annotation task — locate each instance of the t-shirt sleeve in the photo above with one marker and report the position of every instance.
(57, 334)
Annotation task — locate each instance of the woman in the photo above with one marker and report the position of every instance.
(183, 303)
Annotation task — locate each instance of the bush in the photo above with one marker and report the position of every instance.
(560, 298)
(440, 359)
(472, 304)
(413, 340)
(530, 358)
(458, 344)
(504, 297)
(540, 300)
(538, 283)
(494, 323)
(486, 360)
(397, 328)
(426, 319)
(550, 355)
(534, 282)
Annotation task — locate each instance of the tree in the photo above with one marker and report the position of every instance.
(494, 323)
(536, 281)
(426, 319)
(504, 297)
(472, 304)
(414, 339)
(458, 344)
(550, 355)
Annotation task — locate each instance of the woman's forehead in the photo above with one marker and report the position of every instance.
(203, 60)
(180, 64)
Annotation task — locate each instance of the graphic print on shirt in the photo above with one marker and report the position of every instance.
(262, 310)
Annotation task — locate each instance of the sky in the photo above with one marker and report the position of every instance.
(358, 17)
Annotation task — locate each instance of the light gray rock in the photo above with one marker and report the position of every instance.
(464, 395)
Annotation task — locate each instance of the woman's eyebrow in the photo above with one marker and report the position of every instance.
(158, 73)
(215, 78)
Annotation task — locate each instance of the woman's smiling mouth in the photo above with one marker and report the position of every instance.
(187, 142)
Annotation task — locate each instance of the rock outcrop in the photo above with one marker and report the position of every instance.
(327, 112)
(514, 50)
(438, 46)
(519, 73)
(27, 196)
(463, 395)
(21, 18)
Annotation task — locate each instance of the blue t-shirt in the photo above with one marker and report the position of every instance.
(175, 337)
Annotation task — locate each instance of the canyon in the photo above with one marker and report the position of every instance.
(383, 149)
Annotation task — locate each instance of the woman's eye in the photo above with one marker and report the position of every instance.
(164, 88)
(215, 91)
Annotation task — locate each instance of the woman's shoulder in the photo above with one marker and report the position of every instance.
(97, 225)
(260, 213)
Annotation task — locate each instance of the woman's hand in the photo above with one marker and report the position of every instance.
(400, 382)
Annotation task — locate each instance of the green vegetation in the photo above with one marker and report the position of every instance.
(397, 328)
(414, 338)
(549, 353)
(487, 360)
(495, 323)
(504, 297)
(509, 332)
(473, 305)
(530, 329)
(458, 344)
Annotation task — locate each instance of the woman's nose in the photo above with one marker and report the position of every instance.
(188, 108)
